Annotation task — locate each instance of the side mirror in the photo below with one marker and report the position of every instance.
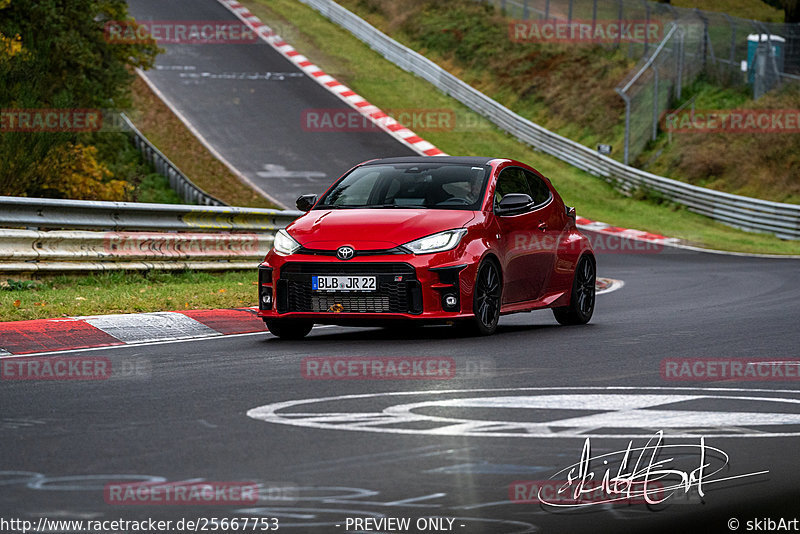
(306, 202)
(514, 203)
(571, 212)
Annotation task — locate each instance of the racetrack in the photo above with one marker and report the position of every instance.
(185, 416)
(519, 407)
(247, 101)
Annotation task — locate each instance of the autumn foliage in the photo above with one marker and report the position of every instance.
(54, 55)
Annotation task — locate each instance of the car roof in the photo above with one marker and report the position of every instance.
(463, 160)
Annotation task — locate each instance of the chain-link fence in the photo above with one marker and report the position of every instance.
(730, 50)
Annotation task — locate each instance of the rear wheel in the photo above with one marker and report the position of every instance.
(581, 302)
(485, 301)
(289, 328)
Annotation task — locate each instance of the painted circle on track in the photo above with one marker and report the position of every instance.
(551, 412)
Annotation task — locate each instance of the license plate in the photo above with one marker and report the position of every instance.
(344, 283)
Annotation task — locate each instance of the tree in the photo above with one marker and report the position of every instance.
(791, 9)
(59, 57)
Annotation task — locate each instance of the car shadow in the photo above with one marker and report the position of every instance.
(413, 333)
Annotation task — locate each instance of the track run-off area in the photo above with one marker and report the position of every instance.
(459, 451)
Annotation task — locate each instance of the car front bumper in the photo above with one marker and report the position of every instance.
(409, 287)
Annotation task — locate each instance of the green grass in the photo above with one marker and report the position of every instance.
(570, 90)
(117, 152)
(762, 165)
(166, 131)
(121, 292)
(385, 85)
(746, 9)
(155, 188)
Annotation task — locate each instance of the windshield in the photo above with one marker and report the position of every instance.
(409, 185)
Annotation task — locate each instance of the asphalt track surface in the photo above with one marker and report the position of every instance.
(182, 413)
(185, 416)
(248, 102)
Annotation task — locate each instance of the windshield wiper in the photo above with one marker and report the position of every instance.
(404, 206)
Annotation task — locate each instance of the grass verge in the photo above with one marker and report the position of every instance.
(125, 292)
(569, 89)
(157, 122)
(387, 86)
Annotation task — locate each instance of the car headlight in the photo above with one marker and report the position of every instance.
(284, 243)
(437, 242)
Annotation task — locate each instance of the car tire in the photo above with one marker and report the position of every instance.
(289, 328)
(581, 302)
(486, 301)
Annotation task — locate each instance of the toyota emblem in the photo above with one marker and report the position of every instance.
(345, 253)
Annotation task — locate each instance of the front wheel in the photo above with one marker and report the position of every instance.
(581, 302)
(289, 328)
(485, 301)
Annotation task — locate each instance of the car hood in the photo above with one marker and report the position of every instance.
(376, 228)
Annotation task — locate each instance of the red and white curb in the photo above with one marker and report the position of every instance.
(98, 331)
(347, 95)
(625, 233)
(74, 333)
(607, 285)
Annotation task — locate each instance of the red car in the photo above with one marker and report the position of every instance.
(403, 241)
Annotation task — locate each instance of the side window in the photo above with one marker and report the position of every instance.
(511, 180)
(540, 191)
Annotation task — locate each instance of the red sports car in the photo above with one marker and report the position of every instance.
(402, 241)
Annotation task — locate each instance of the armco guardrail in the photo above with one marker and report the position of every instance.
(179, 182)
(46, 213)
(72, 235)
(71, 250)
(747, 213)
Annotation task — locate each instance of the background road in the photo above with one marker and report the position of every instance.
(186, 417)
(182, 414)
(248, 101)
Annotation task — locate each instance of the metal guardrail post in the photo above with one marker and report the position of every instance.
(627, 101)
(732, 54)
(655, 103)
(647, 18)
(679, 76)
(704, 20)
(525, 9)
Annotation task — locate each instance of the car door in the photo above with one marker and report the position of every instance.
(549, 223)
(520, 241)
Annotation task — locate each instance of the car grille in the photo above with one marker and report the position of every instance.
(392, 295)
